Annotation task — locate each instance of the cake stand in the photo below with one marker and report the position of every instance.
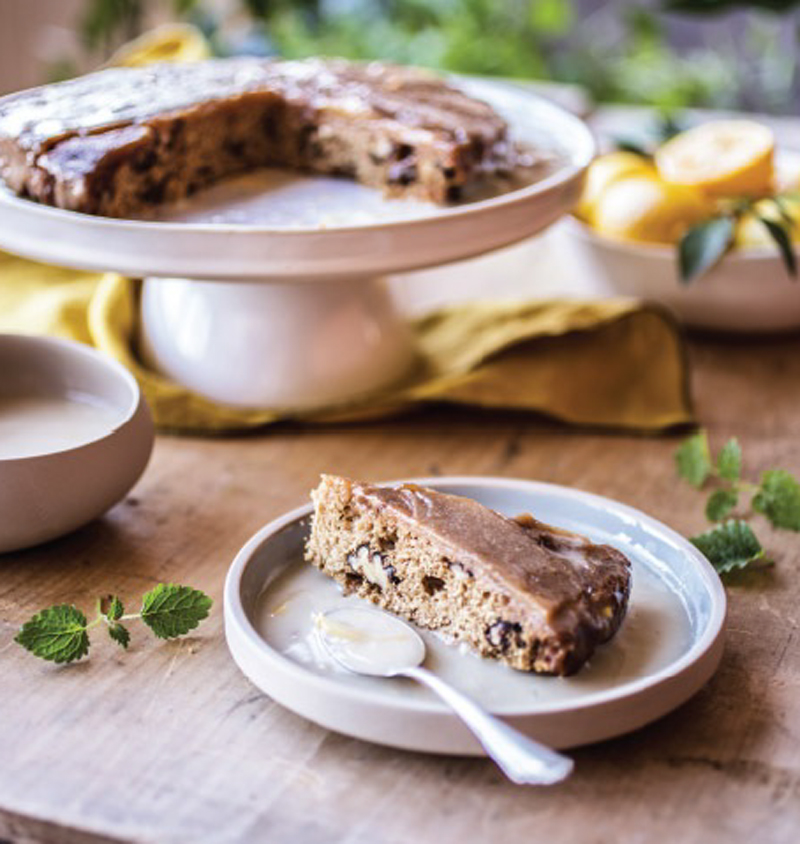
(268, 290)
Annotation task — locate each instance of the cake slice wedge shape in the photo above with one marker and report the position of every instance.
(527, 594)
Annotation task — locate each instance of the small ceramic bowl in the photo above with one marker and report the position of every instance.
(49, 488)
(748, 291)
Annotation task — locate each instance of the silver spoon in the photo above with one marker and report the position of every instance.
(367, 641)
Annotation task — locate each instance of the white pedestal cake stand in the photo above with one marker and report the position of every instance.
(267, 291)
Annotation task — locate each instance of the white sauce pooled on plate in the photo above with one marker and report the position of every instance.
(654, 633)
(33, 425)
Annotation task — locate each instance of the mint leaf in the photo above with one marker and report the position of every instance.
(693, 459)
(170, 610)
(119, 633)
(115, 609)
(778, 498)
(720, 504)
(57, 633)
(779, 233)
(731, 545)
(703, 245)
(729, 461)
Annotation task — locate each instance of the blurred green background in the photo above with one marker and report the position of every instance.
(670, 53)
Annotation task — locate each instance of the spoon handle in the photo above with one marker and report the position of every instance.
(523, 760)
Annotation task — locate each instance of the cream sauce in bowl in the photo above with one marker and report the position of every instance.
(37, 424)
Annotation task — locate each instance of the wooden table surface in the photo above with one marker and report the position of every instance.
(170, 743)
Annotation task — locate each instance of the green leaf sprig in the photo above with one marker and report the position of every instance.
(706, 243)
(732, 544)
(61, 633)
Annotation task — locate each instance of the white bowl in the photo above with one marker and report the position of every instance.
(49, 493)
(750, 290)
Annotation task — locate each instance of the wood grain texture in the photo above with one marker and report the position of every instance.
(170, 743)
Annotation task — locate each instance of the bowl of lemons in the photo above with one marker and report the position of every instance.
(708, 225)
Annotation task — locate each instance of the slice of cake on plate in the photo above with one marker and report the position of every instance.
(527, 594)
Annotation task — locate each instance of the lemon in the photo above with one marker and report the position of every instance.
(751, 232)
(172, 42)
(605, 170)
(722, 158)
(645, 208)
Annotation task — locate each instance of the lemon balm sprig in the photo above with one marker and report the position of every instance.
(61, 633)
(732, 544)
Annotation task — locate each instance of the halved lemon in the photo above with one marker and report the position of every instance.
(721, 158)
(605, 170)
(644, 208)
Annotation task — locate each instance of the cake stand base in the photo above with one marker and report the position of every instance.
(274, 345)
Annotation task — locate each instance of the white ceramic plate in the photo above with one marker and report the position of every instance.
(668, 647)
(313, 227)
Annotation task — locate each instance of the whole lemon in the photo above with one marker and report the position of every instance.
(605, 170)
(646, 209)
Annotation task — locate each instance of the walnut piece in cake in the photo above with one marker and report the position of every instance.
(527, 594)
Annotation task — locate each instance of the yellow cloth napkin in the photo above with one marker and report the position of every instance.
(610, 363)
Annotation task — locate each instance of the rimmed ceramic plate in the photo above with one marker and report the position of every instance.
(668, 647)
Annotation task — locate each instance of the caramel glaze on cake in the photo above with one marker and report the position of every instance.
(527, 594)
(122, 140)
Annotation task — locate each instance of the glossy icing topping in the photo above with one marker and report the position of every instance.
(560, 570)
(116, 97)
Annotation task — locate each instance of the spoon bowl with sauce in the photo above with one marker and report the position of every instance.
(371, 642)
(75, 435)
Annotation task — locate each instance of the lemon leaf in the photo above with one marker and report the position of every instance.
(778, 232)
(703, 245)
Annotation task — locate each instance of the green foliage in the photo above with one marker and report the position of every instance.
(693, 459)
(618, 51)
(119, 633)
(720, 503)
(61, 633)
(703, 246)
(730, 545)
(115, 609)
(729, 461)
(778, 498)
(170, 610)
(57, 633)
(779, 232)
